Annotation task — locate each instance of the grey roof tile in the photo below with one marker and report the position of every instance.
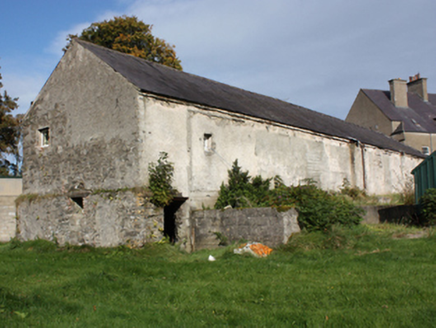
(418, 117)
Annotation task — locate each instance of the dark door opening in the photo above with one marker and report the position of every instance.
(170, 224)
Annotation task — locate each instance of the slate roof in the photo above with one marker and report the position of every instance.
(164, 81)
(418, 117)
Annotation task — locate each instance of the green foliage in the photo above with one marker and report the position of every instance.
(428, 207)
(10, 135)
(223, 240)
(160, 180)
(338, 237)
(354, 193)
(132, 36)
(407, 193)
(242, 190)
(318, 209)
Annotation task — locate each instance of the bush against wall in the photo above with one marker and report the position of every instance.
(242, 190)
(318, 209)
(160, 180)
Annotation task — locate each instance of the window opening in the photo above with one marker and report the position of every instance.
(78, 201)
(45, 137)
(207, 139)
(426, 150)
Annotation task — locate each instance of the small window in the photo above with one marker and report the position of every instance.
(207, 142)
(426, 150)
(78, 201)
(45, 137)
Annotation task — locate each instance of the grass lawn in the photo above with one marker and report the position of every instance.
(348, 278)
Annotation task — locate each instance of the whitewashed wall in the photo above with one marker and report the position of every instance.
(262, 148)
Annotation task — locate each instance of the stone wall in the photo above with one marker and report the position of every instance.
(265, 225)
(107, 219)
(10, 188)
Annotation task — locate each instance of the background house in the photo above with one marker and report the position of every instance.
(407, 112)
(103, 116)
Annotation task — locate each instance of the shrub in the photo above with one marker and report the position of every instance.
(318, 209)
(242, 190)
(160, 179)
(353, 192)
(428, 207)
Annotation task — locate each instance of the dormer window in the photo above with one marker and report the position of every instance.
(44, 137)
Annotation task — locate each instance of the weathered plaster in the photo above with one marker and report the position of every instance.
(262, 149)
(265, 225)
(10, 189)
(107, 219)
(90, 112)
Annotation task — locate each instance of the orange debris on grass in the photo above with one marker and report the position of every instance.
(257, 249)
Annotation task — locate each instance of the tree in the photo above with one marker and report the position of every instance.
(10, 134)
(131, 36)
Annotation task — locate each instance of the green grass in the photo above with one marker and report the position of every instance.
(365, 277)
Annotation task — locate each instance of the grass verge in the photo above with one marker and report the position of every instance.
(366, 277)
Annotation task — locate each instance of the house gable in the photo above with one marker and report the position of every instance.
(366, 113)
(90, 113)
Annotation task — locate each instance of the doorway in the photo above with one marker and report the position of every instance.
(170, 218)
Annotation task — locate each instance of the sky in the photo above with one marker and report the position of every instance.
(312, 53)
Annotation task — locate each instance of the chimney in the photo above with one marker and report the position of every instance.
(398, 92)
(418, 85)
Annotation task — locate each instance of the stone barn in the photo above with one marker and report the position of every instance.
(103, 116)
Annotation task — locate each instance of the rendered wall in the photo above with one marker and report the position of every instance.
(264, 225)
(262, 149)
(419, 140)
(365, 113)
(10, 189)
(91, 113)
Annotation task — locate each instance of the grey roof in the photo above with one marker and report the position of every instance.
(418, 117)
(164, 81)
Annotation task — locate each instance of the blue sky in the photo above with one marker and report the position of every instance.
(313, 53)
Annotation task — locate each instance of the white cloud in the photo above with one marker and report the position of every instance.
(60, 41)
(25, 87)
(312, 53)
